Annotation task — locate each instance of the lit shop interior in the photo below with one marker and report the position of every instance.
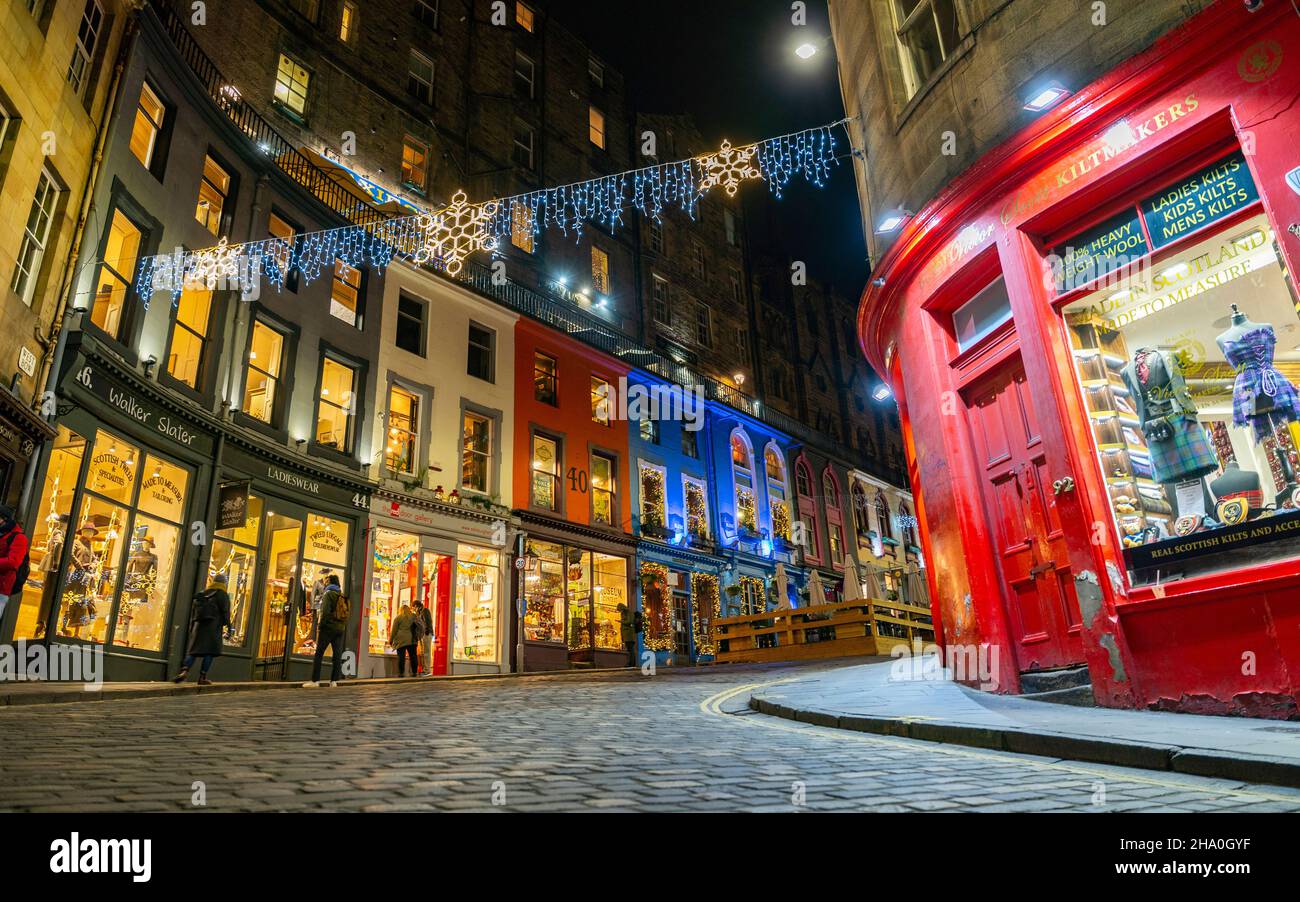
(1189, 369)
(405, 572)
(572, 597)
(119, 528)
(303, 549)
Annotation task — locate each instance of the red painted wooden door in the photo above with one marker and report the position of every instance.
(1030, 547)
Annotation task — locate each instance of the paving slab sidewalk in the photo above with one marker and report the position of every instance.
(870, 698)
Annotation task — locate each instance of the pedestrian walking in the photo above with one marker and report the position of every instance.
(426, 637)
(627, 632)
(333, 612)
(14, 562)
(403, 638)
(210, 617)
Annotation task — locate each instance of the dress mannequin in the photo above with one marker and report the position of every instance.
(1261, 397)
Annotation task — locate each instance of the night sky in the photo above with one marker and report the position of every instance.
(730, 64)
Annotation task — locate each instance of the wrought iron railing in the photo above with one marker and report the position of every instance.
(292, 161)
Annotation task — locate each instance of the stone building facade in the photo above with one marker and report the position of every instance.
(934, 88)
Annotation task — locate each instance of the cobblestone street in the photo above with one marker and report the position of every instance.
(680, 741)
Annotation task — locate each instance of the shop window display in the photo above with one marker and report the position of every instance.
(478, 593)
(572, 596)
(395, 582)
(1188, 369)
(49, 533)
(125, 545)
(544, 591)
(234, 554)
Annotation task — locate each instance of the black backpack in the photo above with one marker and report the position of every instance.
(20, 575)
(638, 622)
(206, 607)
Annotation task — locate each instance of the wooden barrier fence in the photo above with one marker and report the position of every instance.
(865, 627)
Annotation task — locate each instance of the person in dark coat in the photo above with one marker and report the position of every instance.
(209, 619)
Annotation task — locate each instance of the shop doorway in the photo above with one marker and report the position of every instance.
(407, 571)
(1042, 609)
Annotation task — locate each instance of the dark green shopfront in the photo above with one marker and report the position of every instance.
(124, 533)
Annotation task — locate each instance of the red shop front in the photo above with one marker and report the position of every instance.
(1094, 337)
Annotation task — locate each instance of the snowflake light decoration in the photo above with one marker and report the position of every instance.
(728, 168)
(453, 233)
(215, 265)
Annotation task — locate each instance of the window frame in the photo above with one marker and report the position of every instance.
(606, 401)
(434, 9)
(227, 197)
(553, 377)
(522, 78)
(490, 466)
(611, 458)
(80, 51)
(409, 142)
(358, 322)
(399, 316)
(427, 95)
(557, 440)
(349, 23)
(593, 130)
(290, 87)
(205, 368)
(417, 414)
(490, 348)
(355, 417)
(34, 272)
(288, 347)
(664, 303)
(600, 280)
(161, 129)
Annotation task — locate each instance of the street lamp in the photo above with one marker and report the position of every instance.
(808, 49)
(892, 221)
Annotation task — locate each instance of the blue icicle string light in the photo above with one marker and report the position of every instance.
(446, 236)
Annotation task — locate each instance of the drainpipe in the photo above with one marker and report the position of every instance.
(52, 359)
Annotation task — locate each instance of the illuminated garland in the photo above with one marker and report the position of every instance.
(654, 602)
(757, 593)
(708, 607)
(697, 512)
(448, 236)
(652, 497)
(781, 520)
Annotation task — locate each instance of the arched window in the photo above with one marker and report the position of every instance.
(834, 517)
(883, 519)
(774, 466)
(742, 471)
(807, 509)
(861, 520)
(908, 526)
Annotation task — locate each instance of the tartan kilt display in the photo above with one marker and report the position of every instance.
(1187, 454)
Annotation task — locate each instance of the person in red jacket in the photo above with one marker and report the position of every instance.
(13, 551)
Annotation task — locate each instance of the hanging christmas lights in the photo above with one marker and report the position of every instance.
(448, 236)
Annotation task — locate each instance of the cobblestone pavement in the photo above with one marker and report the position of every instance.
(680, 741)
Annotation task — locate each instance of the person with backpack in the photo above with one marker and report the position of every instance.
(332, 632)
(425, 643)
(210, 617)
(14, 562)
(403, 638)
